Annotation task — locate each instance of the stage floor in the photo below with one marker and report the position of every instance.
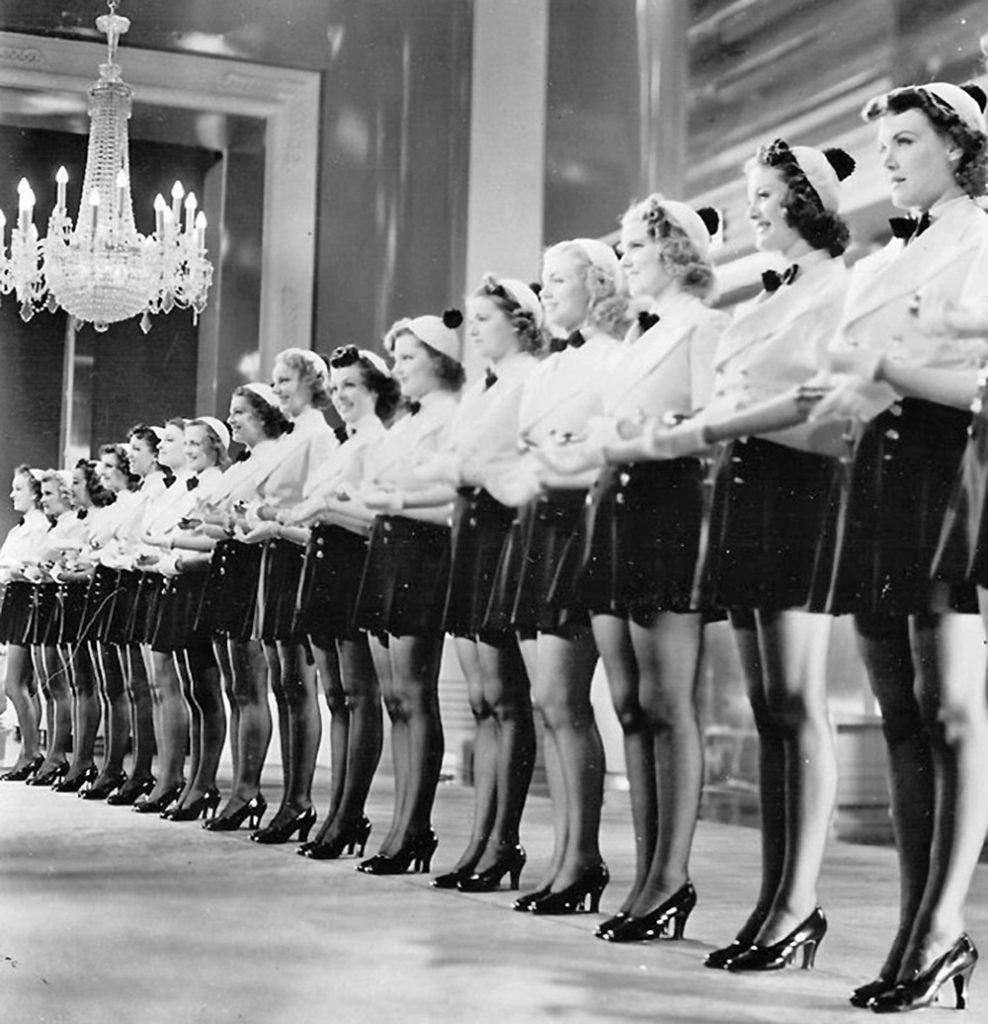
(111, 916)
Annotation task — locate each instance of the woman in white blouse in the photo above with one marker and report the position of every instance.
(22, 546)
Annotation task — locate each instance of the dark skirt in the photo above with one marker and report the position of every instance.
(327, 593)
(893, 512)
(229, 604)
(962, 553)
(71, 611)
(638, 543)
(15, 613)
(176, 624)
(120, 624)
(43, 626)
(772, 528)
(98, 612)
(281, 571)
(404, 581)
(479, 532)
(145, 611)
(531, 568)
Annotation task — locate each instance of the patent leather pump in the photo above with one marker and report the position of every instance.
(353, 840)
(956, 965)
(581, 896)
(202, 807)
(81, 780)
(129, 793)
(452, 879)
(510, 863)
(252, 812)
(864, 995)
(602, 930)
(50, 776)
(667, 921)
(525, 903)
(414, 854)
(281, 831)
(160, 803)
(25, 771)
(805, 937)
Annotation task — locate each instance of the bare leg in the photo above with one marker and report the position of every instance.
(18, 684)
(613, 639)
(951, 695)
(566, 666)
(793, 647)
(885, 647)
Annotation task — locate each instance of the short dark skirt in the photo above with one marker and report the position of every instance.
(120, 625)
(327, 593)
(43, 625)
(176, 625)
(531, 568)
(479, 532)
(229, 604)
(15, 613)
(772, 528)
(638, 543)
(893, 511)
(281, 572)
(98, 613)
(962, 553)
(71, 611)
(150, 587)
(403, 585)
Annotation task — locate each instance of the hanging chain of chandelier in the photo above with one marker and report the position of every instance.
(100, 270)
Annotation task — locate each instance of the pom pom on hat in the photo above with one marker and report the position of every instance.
(841, 161)
(977, 94)
(710, 218)
(430, 330)
(452, 318)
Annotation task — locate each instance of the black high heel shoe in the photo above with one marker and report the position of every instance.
(202, 807)
(582, 896)
(667, 921)
(51, 776)
(281, 831)
(511, 863)
(524, 903)
(956, 965)
(81, 780)
(864, 995)
(354, 839)
(806, 936)
(719, 959)
(452, 879)
(415, 853)
(252, 811)
(160, 803)
(25, 771)
(602, 930)
(129, 793)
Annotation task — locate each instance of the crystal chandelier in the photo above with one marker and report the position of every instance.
(101, 270)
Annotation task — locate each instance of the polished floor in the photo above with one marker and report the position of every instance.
(110, 916)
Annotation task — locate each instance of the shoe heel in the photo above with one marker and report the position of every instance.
(678, 923)
(593, 899)
(422, 863)
(809, 955)
(305, 828)
(960, 987)
(514, 876)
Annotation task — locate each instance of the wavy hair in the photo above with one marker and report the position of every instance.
(533, 338)
(312, 372)
(374, 376)
(607, 307)
(273, 420)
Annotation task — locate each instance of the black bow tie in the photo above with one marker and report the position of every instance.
(772, 281)
(414, 408)
(342, 434)
(82, 513)
(192, 483)
(646, 321)
(575, 340)
(909, 228)
(490, 379)
(244, 455)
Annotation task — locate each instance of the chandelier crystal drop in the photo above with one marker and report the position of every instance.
(101, 270)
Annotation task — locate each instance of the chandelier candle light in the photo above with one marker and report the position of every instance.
(101, 270)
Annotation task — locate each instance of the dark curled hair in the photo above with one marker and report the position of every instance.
(98, 494)
(533, 338)
(33, 482)
(273, 421)
(144, 433)
(971, 171)
(386, 390)
(221, 457)
(123, 463)
(804, 211)
(677, 254)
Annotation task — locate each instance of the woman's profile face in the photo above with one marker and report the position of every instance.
(916, 160)
(414, 369)
(111, 475)
(80, 492)
(767, 194)
(295, 396)
(51, 498)
(644, 271)
(351, 397)
(198, 453)
(564, 294)
(21, 494)
(171, 447)
(245, 425)
(489, 329)
(142, 456)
